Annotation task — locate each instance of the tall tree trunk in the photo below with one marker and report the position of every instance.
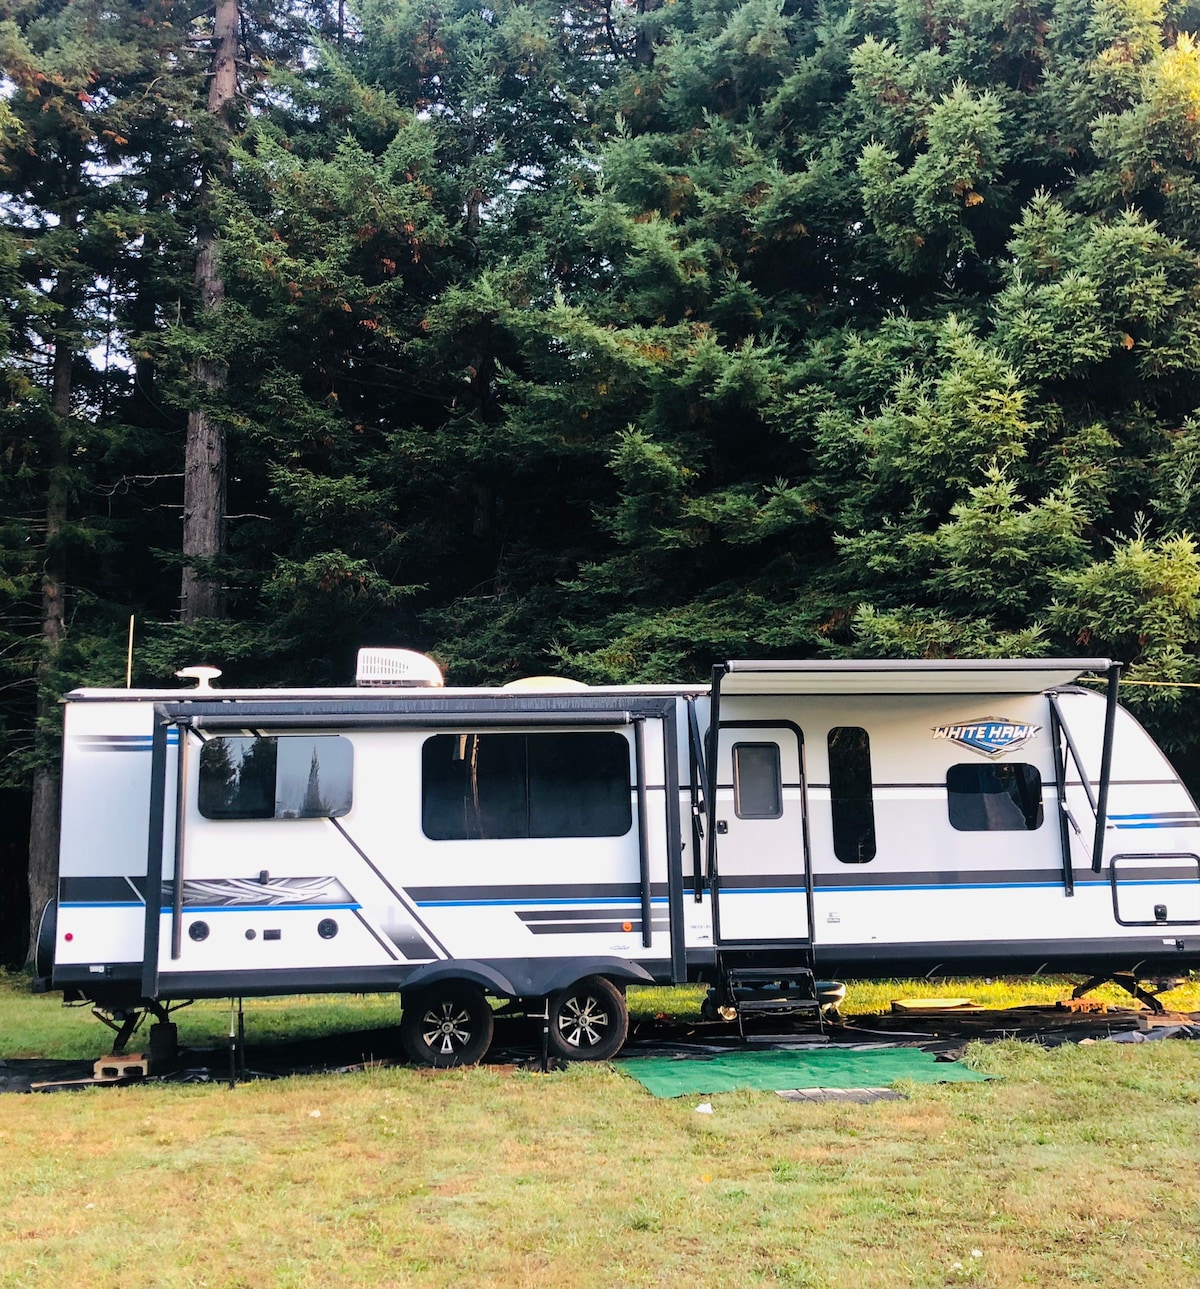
(204, 453)
(44, 816)
(643, 40)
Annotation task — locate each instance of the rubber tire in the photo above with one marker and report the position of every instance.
(588, 1021)
(455, 1002)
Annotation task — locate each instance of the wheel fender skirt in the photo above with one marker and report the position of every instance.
(537, 977)
(479, 973)
(527, 977)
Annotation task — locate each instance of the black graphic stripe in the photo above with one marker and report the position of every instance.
(383, 944)
(403, 901)
(578, 915)
(99, 890)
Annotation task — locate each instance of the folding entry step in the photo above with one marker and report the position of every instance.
(768, 982)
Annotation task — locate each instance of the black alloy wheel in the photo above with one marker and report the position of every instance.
(446, 1025)
(588, 1021)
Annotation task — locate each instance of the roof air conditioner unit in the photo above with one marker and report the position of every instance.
(399, 667)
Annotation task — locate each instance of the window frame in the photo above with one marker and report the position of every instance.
(737, 785)
(978, 766)
(345, 784)
(527, 788)
(839, 800)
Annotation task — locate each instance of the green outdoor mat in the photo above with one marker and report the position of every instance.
(775, 1071)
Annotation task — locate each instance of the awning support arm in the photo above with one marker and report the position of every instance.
(698, 790)
(639, 756)
(1110, 724)
(181, 771)
(1060, 775)
(710, 756)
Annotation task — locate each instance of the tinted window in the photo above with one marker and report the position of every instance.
(850, 794)
(294, 777)
(477, 786)
(757, 781)
(994, 798)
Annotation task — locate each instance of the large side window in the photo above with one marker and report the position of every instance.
(293, 777)
(492, 786)
(994, 798)
(757, 781)
(850, 794)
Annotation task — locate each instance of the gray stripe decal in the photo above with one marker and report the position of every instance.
(576, 892)
(951, 877)
(568, 915)
(592, 928)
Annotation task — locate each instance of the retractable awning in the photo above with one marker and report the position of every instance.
(939, 676)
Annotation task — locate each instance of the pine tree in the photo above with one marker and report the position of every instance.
(82, 85)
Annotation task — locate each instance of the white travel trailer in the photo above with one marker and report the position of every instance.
(556, 842)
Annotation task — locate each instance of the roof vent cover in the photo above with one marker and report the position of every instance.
(403, 668)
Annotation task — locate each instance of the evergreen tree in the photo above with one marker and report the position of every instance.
(84, 82)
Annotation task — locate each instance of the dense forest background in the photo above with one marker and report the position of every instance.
(606, 340)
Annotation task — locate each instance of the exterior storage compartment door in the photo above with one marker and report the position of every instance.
(1156, 890)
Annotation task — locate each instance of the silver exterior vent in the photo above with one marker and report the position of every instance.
(398, 667)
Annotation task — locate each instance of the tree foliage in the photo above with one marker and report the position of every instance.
(608, 340)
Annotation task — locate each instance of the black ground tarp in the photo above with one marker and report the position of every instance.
(517, 1042)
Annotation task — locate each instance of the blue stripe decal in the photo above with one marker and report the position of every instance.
(1158, 814)
(958, 886)
(1156, 881)
(726, 891)
(994, 886)
(102, 904)
(460, 904)
(121, 742)
(1170, 823)
(258, 908)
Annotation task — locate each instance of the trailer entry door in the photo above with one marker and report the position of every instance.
(760, 885)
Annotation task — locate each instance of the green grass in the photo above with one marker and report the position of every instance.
(865, 996)
(1073, 1167)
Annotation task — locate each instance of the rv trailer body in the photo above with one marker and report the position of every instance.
(864, 819)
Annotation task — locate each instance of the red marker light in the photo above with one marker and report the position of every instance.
(69, 936)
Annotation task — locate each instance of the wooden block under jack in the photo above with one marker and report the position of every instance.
(1156, 1020)
(1082, 1005)
(919, 1005)
(131, 1065)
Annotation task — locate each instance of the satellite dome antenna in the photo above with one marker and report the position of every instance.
(203, 676)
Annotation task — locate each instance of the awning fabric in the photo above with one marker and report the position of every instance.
(938, 676)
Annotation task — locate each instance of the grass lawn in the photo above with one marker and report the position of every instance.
(1074, 1166)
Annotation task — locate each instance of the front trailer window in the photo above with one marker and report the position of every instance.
(994, 798)
(493, 786)
(288, 777)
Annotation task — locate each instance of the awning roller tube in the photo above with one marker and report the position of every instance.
(248, 719)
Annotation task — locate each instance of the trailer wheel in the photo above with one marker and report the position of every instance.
(588, 1021)
(446, 1025)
